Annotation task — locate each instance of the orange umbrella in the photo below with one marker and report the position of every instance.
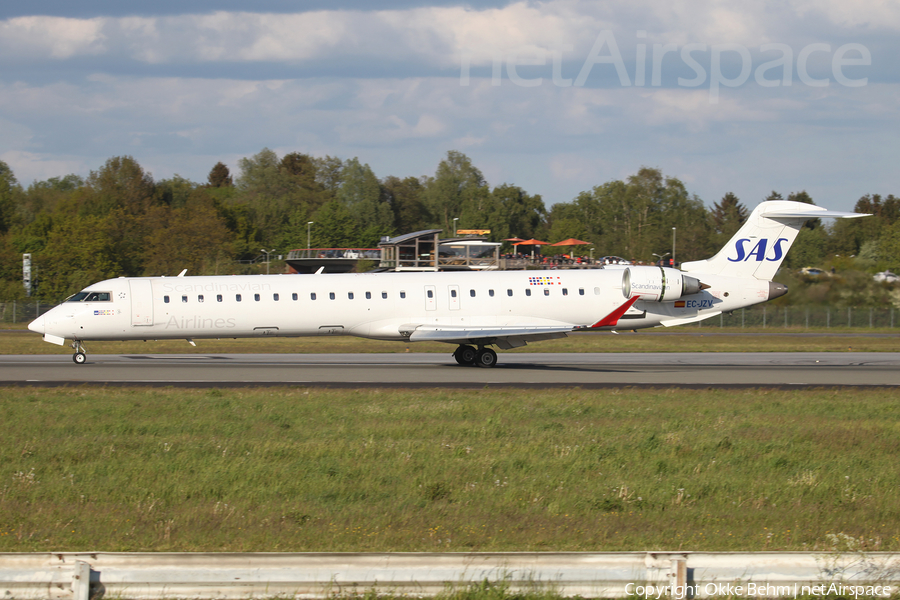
(570, 242)
(532, 242)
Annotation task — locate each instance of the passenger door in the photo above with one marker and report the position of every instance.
(141, 302)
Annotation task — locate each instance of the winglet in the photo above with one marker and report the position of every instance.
(612, 319)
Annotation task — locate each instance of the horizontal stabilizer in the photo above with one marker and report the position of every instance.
(694, 319)
(811, 214)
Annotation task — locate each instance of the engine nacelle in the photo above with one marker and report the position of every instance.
(659, 284)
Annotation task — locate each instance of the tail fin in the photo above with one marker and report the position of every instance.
(759, 246)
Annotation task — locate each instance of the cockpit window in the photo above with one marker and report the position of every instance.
(90, 297)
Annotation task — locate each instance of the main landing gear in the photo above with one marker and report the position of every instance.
(80, 356)
(468, 356)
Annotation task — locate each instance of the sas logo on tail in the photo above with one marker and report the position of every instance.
(758, 252)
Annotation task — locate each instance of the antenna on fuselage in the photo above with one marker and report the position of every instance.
(182, 273)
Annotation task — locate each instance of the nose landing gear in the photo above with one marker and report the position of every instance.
(468, 356)
(80, 356)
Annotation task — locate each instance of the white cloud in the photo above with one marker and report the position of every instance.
(51, 37)
(436, 36)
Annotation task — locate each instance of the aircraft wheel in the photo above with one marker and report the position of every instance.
(79, 358)
(486, 358)
(465, 355)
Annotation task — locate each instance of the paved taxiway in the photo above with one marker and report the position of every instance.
(439, 370)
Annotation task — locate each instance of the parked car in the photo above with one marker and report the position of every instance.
(886, 277)
(614, 262)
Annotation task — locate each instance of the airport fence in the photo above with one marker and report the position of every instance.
(805, 317)
(757, 317)
(21, 312)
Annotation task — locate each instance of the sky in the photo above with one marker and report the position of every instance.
(555, 97)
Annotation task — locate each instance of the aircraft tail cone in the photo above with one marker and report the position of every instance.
(776, 290)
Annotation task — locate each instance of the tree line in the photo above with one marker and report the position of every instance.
(120, 221)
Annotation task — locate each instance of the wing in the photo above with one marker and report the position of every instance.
(503, 337)
(507, 337)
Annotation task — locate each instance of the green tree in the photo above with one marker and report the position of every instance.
(9, 190)
(335, 227)
(328, 174)
(274, 190)
(360, 193)
(42, 197)
(405, 199)
(175, 192)
(514, 213)
(726, 217)
(64, 267)
(455, 181)
(193, 237)
(121, 184)
(219, 176)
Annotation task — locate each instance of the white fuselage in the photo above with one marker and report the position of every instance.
(374, 305)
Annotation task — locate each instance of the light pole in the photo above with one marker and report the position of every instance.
(673, 247)
(308, 225)
(660, 257)
(455, 226)
(592, 256)
(267, 257)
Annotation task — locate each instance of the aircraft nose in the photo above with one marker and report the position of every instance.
(37, 325)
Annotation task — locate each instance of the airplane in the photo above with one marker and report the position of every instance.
(471, 309)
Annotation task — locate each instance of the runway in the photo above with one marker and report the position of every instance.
(517, 370)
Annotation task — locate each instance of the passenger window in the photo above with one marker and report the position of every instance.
(384, 295)
(166, 299)
(294, 296)
(256, 297)
(184, 298)
(218, 297)
(350, 295)
(331, 295)
(403, 294)
(509, 292)
(275, 297)
(237, 297)
(528, 291)
(596, 291)
(453, 293)
(565, 292)
(312, 296)
(368, 295)
(491, 293)
(200, 298)
(546, 291)
(472, 293)
(581, 291)
(430, 294)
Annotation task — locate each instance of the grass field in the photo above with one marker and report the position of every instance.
(294, 469)
(682, 339)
